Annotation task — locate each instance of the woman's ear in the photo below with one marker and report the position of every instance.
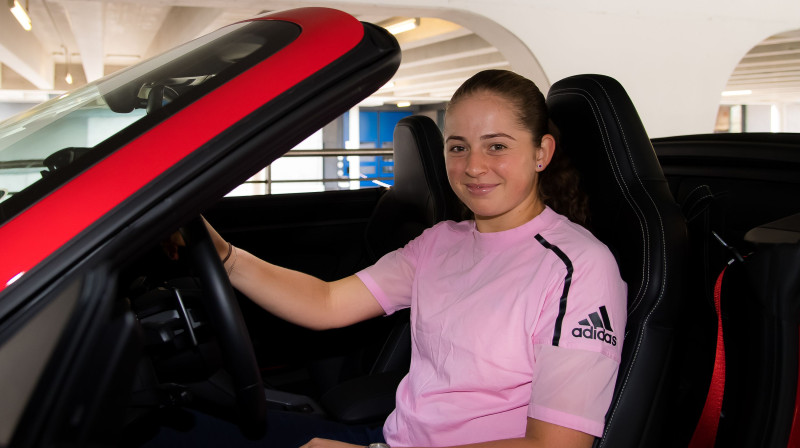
(545, 151)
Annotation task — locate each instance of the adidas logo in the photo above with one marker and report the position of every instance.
(597, 326)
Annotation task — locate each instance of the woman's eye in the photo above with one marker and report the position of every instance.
(456, 149)
(497, 147)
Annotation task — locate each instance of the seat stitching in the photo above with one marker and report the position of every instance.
(695, 189)
(664, 255)
(658, 212)
(622, 185)
(641, 223)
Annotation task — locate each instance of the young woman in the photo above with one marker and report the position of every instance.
(517, 314)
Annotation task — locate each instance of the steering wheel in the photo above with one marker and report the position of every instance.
(228, 324)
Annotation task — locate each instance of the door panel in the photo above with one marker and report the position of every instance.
(321, 234)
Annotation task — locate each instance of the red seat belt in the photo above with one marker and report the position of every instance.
(794, 435)
(705, 434)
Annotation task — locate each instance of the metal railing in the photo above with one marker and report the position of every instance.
(268, 181)
(339, 152)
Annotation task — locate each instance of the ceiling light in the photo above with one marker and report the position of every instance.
(402, 26)
(736, 92)
(20, 13)
(67, 78)
(403, 103)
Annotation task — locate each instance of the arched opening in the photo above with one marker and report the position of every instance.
(441, 49)
(447, 47)
(763, 92)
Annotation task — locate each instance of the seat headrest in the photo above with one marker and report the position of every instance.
(420, 177)
(421, 195)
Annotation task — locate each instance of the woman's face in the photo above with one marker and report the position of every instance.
(492, 162)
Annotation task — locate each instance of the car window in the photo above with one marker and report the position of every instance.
(43, 148)
(331, 159)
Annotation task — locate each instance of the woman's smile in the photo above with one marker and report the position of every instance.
(480, 189)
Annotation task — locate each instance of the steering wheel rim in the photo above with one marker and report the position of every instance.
(229, 326)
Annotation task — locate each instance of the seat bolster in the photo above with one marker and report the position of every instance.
(634, 214)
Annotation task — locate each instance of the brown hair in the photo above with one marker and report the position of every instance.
(558, 184)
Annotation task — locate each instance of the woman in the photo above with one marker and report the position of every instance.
(517, 314)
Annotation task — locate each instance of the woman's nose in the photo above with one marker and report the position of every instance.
(476, 164)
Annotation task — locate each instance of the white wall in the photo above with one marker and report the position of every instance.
(759, 118)
(674, 58)
(791, 118)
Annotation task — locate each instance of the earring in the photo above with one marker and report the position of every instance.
(539, 166)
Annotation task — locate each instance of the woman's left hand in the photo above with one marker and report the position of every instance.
(325, 443)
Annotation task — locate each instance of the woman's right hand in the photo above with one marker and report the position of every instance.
(294, 296)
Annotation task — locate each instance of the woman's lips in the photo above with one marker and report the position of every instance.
(480, 189)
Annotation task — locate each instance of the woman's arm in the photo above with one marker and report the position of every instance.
(538, 434)
(296, 297)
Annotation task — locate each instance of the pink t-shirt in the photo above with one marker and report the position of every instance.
(522, 323)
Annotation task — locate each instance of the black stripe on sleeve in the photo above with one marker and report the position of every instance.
(562, 304)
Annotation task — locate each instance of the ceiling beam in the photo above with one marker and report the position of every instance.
(87, 22)
(470, 63)
(768, 68)
(764, 76)
(22, 52)
(461, 47)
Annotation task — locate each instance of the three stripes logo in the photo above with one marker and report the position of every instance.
(597, 326)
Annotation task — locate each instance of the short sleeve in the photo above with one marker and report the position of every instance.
(585, 304)
(391, 278)
(572, 388)
(578, 338)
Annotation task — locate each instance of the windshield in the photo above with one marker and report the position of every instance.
(46, 146)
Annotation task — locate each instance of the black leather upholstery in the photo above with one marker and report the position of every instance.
(421, 195)
(634, 213)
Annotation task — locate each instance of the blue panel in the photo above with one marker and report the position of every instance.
(368, 127)
(388, 120)
(346, 126)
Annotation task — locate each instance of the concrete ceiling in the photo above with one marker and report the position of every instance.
(770, 71)
(96, 37)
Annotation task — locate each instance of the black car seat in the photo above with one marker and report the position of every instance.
(420, 197)
(759, 297)
(634, 213)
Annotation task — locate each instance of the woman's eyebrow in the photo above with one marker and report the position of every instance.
(483, 137)
(495, 135)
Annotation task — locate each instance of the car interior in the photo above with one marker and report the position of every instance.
(664, 207)
(739, 196)
(640, 207)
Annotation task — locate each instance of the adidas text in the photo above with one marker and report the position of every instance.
(594, 333)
